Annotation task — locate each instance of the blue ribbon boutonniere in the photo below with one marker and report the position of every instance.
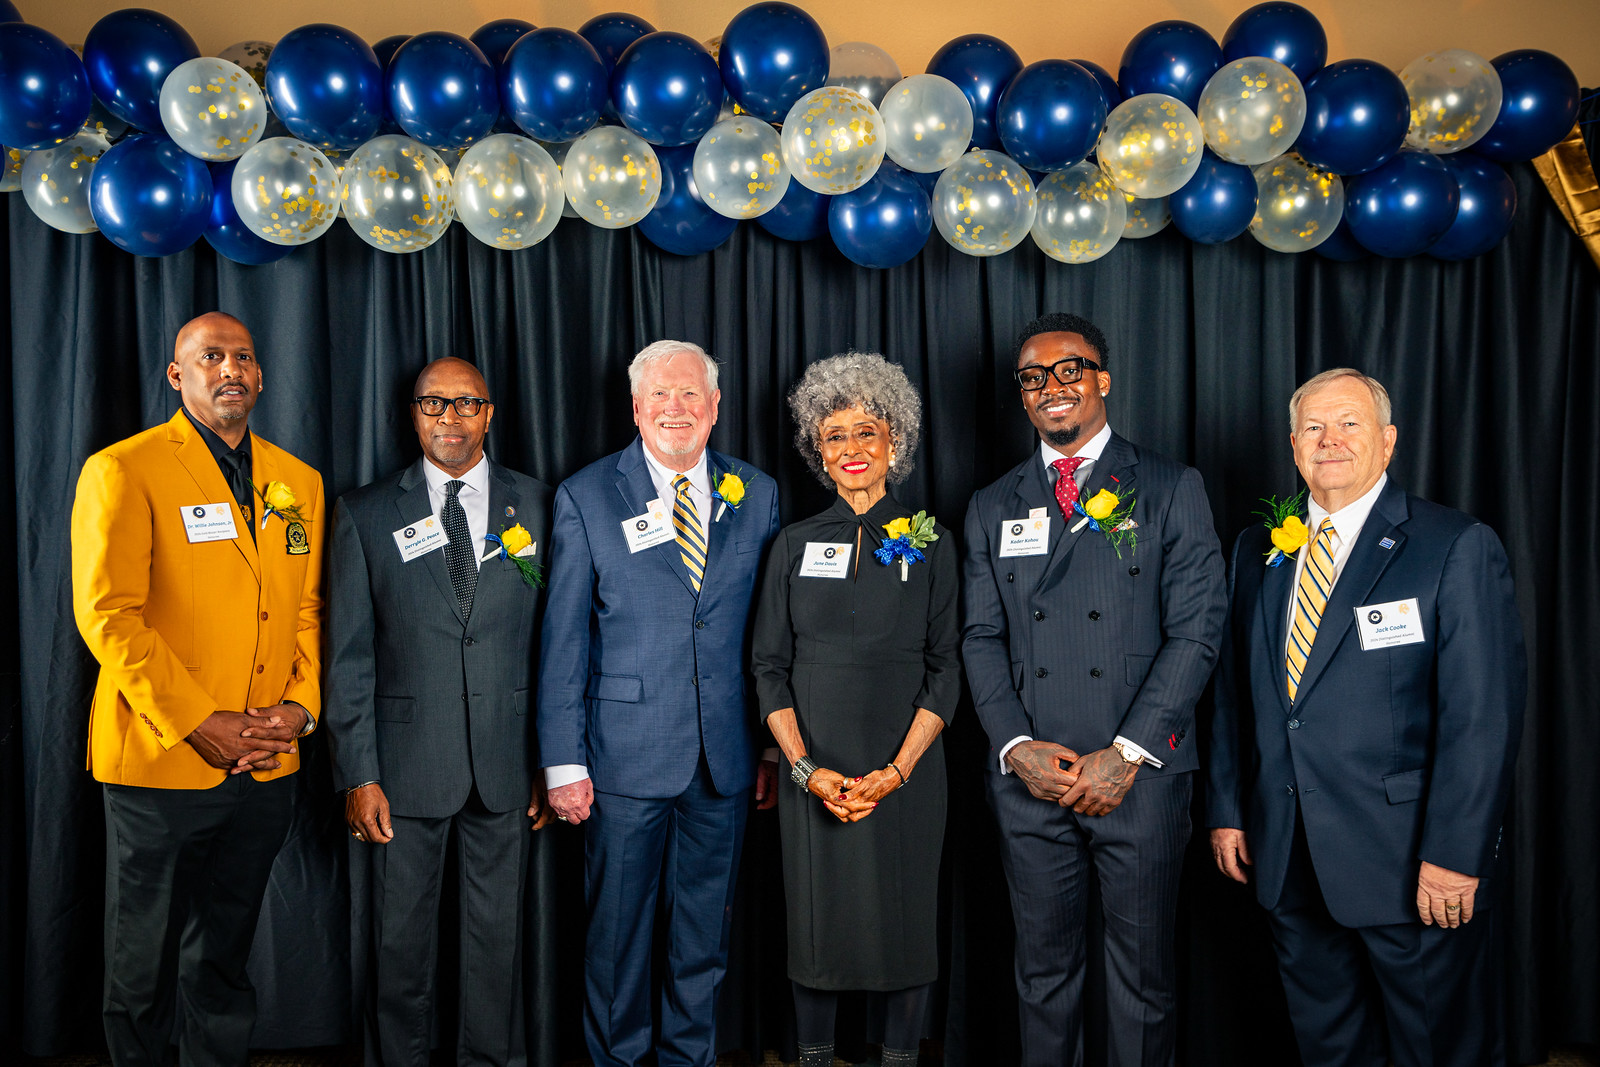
(899, 548)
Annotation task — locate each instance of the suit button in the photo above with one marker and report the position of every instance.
(263, 616)
(1040, 673)
(1038, 616)
(468, 642)
(1094, 616)
(463, 698)
(699, 624)
(1011, 577)
(696, 681)
(1095, 672)
(1291, 790)
(1133, 572)
(1294, 724)
(261, 668)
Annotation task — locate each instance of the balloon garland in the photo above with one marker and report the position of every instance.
(266, 146)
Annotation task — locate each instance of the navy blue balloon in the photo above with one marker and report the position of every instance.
(1404, 206)
(1108, 85)
(667, 89)
(982, 66)
(802, 215)
(612, 33)
(1538, 105)
(9, 12)
(442, 90)
(326, 85)
(1217, 204)
(149, 196)
(1341, 246)
(1488, 204)
(44, 90)
(885, 222)
(387, 47)
(1050, 115)
(771, 55)
(1172, 57)
(128, 54)
(227, 233)
(1278, 30)
(680, 222)
(494, 39)
(1357, 112)
(553, 84)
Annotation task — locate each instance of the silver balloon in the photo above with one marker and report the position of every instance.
(864, 68)
(508, 191)
(397, 194)
(984, 203)
(1298, 206)
(1145, 218)
(1151, 146)
(55, 182)
(11, 179)
(1080, 216)
(252, 56)
(286, 191)
(738, 168)
(928, 121)
(212, 108)
(1455, 98)
(833, 140)
(611, 177)
(558, 152)
(1252, 110)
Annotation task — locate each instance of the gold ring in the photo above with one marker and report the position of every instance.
(1452, 907)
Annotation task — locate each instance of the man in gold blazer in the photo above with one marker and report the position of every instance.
(196, 577)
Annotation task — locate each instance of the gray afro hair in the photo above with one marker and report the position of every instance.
(857, 379)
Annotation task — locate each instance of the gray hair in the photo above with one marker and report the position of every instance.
(657, 351)
(1380, 395)
(856, 379)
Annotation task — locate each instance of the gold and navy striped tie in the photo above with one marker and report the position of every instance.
(1316, 582)
(691, 542)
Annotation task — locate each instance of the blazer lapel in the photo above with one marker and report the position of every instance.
(1277, 586)
(496, 576)
(637, 489)
(412, 505)
(197, 459)
(1032, 490)
(718, 534)
(1361, 572)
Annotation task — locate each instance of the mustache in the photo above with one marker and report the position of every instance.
(1325, 454)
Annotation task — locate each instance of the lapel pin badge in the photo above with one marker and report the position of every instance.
(511, 512)
(1386, 543)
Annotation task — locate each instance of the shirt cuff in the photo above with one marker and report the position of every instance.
(1005, 768)
(564, 774)
(1137, 750)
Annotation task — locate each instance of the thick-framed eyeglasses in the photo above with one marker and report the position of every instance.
(466, 406)
(1033, 377)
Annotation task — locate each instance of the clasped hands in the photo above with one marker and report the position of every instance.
(851, 799)
(251, 740)
(1091, 784)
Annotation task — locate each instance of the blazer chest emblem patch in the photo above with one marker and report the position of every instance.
(298, 543)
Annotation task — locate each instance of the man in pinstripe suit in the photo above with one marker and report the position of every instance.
(1088, 637)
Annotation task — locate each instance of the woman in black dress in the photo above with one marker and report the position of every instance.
(856, 670)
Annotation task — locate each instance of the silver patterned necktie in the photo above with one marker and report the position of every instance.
(458, 553)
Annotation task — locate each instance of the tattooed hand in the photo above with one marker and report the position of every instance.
(1038, 764)
(1104, 778)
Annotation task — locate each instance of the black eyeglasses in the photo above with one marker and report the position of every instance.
(466, 406)
(1033, 377)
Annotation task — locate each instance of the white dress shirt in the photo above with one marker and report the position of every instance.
(473, 496)
(1090, 454)
(1347, 524)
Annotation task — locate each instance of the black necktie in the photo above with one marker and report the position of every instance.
(458, 554)
(239, 481)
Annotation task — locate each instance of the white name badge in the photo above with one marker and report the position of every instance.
(1025, 537)
(648, 530)
(421, 537)
(1398, 622)
(209, 522)
(824, 560)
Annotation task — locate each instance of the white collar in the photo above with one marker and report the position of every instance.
(660, 474)
(1089, 453)
(1348, 520)
(476, 479)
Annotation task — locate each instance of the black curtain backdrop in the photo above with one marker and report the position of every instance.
(1493, 364)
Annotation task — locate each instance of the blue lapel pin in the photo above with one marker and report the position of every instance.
(1386, 543)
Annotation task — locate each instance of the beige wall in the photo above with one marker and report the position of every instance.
(1391, 31)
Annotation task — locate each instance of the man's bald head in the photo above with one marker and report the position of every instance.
(453, 441)
(456, 370)
(211, 320)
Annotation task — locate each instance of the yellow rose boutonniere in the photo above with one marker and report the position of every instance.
(1106, 513)
(1102, 504)
(516, 544)
(278, 499)
(899, 527)
(1289, 533)
(907, 538)
(729, 493)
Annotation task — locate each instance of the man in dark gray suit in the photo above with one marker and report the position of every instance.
(432, 646)
(1094, 607)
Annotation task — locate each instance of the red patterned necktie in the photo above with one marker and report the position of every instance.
(1066, 484)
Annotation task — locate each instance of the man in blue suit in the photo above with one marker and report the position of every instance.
(646, 732)
(1086, 647)
(1369, 703)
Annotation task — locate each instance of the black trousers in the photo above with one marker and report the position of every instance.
(185, 873)
(1136, 855)
(1414, 995)
(407, 879)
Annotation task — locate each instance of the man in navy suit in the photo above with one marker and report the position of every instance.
(1086, 646)
(1369, 704)
(646, 731)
